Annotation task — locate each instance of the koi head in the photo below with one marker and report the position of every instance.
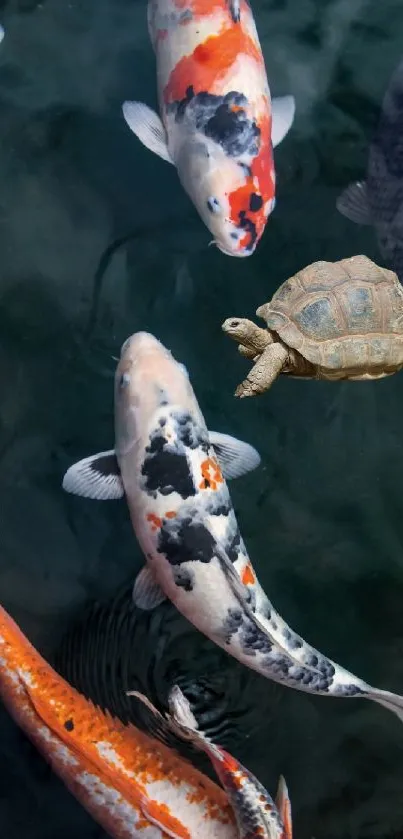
(226, 194)
(147, 379)
(211, 178)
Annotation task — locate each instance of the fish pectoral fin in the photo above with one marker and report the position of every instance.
(354, 204)
(283, 112)
(148, 128)
(95, 477)
(283, 805)
(147, 593)
(235, 457)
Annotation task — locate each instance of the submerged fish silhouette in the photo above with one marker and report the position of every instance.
(181, 511)
(378, 200)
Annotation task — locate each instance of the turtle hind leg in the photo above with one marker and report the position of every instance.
(264, 372)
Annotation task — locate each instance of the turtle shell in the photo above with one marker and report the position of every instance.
(345, 315)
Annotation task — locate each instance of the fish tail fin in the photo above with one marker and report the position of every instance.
(392, 701)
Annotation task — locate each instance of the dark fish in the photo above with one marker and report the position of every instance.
(378, 200)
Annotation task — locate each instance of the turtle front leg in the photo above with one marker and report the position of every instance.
(246, 352)
(262, 375)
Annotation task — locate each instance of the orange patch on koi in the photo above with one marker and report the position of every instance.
(263, 164)
(248, 578)
(211, 474)
(154, 520)
(229, 761)
(209, 62)
(199, 8)
(261, 169)
(170, 514)
(121, 757)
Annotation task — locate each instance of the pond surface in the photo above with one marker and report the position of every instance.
(98, 240)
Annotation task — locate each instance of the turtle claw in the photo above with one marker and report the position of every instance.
(244, 389)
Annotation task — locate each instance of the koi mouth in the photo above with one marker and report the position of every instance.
(243, 253)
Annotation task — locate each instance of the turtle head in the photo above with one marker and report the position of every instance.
(246, 333)
(239, 329)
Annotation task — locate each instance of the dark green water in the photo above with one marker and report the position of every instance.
(323, 517)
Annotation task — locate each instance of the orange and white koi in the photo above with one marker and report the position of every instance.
(218, 124)
(256, 813)
(173, 472)
(134, 786)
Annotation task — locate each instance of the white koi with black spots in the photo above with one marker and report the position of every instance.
(173, 470)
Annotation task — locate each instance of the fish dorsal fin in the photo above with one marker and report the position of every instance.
(95, 477)
(49, 716)
(283, 805)
(147, 593)
(164, 728)
(183, 717)
(179, 724)
(161, 818)
(353, 203)
(235, 10)
(242, 592)
(283, 112)
(236, 458)
(148, 128)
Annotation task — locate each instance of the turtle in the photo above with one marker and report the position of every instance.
(331, 320)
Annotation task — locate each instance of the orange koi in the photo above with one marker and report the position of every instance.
(134, 786)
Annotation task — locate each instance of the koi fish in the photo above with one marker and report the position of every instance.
(256, 813)
(174, 478)
(218, 124)
(377, 200)
(134, 786)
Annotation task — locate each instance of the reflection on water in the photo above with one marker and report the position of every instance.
(97, 240)
(115, 647)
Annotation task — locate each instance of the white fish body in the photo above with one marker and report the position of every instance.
(174, 481)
